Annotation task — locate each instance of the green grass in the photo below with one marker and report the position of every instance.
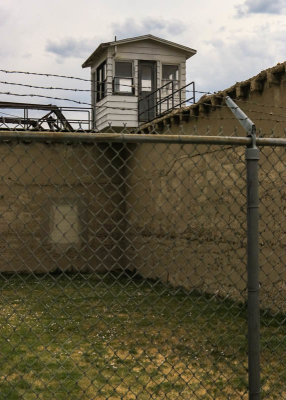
(70, 337)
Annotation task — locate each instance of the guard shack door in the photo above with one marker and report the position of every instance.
(147, 84)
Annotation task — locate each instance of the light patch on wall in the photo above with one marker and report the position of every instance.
(65, 224)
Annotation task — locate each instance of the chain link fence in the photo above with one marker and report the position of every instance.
(123, 266)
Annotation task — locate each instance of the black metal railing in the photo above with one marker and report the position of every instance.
(29, 116)
(164, 100)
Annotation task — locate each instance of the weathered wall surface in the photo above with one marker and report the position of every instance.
(187, 218)
(187, 221)
(262, 98)
(177, 213)
(194, 207)
(60, 207)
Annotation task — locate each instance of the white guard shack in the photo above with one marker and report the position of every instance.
(135, 80)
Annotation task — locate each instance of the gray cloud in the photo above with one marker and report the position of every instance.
(70, 47)
(225, 55)
(156, 26)
(4, 16)
(261, 7)
(247, 48)
(80, 48)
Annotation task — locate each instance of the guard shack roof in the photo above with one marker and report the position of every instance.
(103, 46)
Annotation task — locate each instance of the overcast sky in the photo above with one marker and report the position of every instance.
(234, 39)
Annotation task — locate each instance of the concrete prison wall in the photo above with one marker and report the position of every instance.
(61, 207)
(171, 212)
(186, 218)
(262, 98)
(186, 211)
(196, 213)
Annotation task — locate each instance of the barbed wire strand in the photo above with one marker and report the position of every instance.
(10, 115)
(249, 111)
(83, 90)
(124, 85)
(132, 109)
(111, 107)
(45, 74)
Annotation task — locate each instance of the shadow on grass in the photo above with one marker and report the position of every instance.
(118, 334)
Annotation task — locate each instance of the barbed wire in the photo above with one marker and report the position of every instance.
(222, 96)
(132, 109)
(249, 111)
(133, 86)
(245, 101)
(225, 118)
(10, 115)
(61, 88)
(46, 87)
(76, 78)
(261, 105)
(44, 74)
(80, 79)
(65, 76)
(43, 96)
(66, 99)
(185, 103)
(82, 90)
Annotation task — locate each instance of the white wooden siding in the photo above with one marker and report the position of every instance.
(117, 110)
(183, 79)
(151, 57)
(120, 109)
(148, 48)
(93, 98)
(136, 80)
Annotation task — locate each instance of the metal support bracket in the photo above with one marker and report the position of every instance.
(253, 308)
(247, 124)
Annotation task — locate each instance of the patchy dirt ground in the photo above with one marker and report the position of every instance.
(117, 338)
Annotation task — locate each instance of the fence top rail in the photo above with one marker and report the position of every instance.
(84, 137)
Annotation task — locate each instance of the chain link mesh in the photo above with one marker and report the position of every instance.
(123, 271)
(272, 270)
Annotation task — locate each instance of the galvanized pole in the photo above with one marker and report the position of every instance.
(252, 157)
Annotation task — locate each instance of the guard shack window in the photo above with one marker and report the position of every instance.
(123, 78)
(170, 77)
(101, 81)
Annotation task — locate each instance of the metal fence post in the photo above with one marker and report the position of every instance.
(253, 311)
(252, 157)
